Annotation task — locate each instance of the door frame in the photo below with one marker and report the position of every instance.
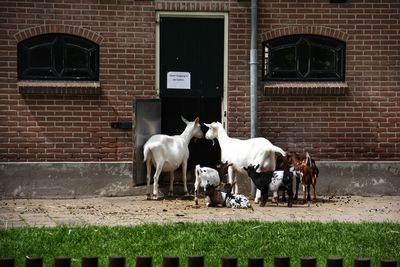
(159, 14)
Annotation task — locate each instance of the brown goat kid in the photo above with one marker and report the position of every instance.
(214, 195)
(222, 169)
(307, 169)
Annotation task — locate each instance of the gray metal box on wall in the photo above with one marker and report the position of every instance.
(147, 123)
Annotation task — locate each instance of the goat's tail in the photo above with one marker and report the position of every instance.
(146, 152)
(278, 150)
(308, 159)
(197, 171)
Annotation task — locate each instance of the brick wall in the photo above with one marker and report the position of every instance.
(362, 124)
(46, 127)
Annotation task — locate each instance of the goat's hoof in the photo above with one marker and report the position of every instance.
(155, 197)
(262, 204)
(152, 197)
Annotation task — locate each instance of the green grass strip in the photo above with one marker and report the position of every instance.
(213, 240)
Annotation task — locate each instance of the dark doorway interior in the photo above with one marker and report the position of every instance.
(208, 110)
(193, 46)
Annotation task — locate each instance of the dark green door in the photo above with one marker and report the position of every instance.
(193, 47)
(192, 78)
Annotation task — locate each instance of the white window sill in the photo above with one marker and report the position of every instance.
(298, 88)
(59, 87)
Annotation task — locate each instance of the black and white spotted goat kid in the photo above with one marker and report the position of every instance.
(273, 181)
(235, 201)
(225, 199)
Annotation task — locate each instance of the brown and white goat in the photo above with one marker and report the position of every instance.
(309, 172)
(307, 169)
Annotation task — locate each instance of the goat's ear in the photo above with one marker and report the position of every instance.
(197, 120)
(227, 163)
(207, 124)
(245, 168)
(184, 120)
(258, 165)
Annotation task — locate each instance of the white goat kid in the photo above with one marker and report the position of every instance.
(242, 153)
(167, 153)
(204, 176)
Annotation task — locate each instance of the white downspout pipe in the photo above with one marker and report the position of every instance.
(253, 76)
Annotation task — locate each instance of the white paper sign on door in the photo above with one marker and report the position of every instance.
(178, 80)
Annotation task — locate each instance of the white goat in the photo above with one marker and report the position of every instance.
(242, 153)
(167, 153)
(204, 175)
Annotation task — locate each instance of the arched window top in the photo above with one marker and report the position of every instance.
(304, 57)
(58, 56)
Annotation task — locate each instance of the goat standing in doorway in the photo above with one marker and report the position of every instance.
(167, 153)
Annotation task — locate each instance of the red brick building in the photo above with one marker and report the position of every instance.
(342, 107)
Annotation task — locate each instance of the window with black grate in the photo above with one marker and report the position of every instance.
(58, 57)
(304, 58)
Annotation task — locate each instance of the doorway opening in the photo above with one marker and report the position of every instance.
(192, 76)
(207, 109)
